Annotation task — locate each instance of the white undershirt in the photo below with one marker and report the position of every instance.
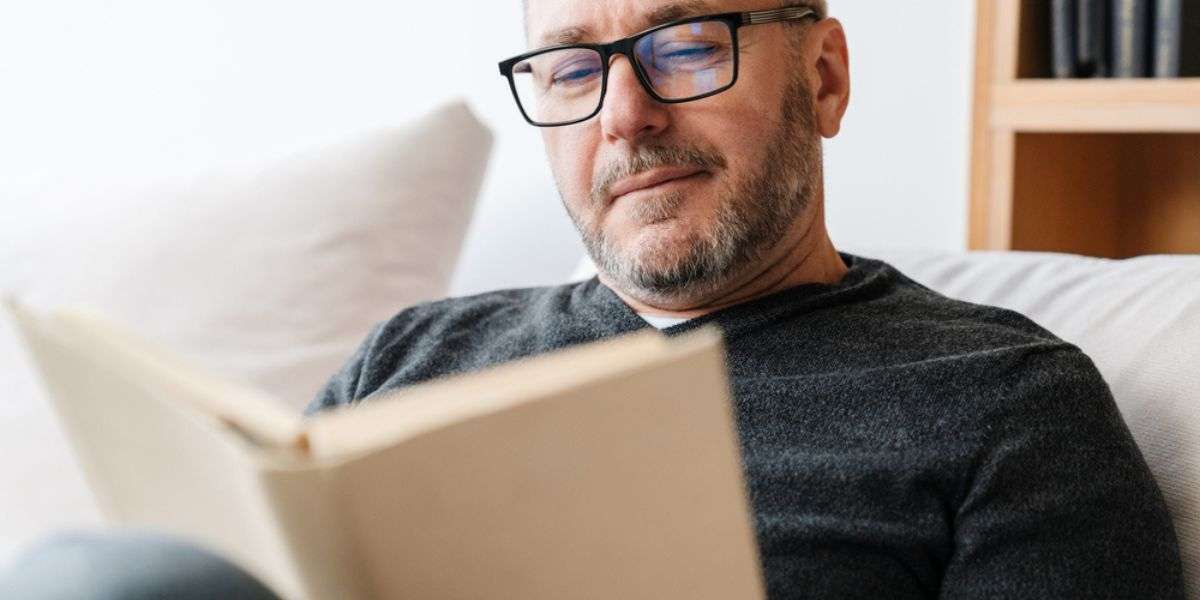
(662, 322)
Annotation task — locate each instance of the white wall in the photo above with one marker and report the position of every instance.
(93, 92)
(898, 173)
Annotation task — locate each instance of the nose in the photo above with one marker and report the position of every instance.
(629, 113)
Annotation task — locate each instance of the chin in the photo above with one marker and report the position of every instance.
(668, 237)
(661, 245)
(660, 260)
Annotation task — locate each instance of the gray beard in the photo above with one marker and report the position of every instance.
(750, 220)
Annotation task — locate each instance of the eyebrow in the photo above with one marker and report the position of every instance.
(663, 14)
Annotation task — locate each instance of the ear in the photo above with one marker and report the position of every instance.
(830, 74)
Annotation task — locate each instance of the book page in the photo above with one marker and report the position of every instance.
(153, 461)
(252, 413)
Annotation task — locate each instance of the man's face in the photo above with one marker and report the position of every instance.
(678, 199)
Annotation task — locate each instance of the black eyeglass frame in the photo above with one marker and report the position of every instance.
(734, 21)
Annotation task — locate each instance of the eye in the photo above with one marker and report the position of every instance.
(688, 55)
(687, 52)
(575, 72)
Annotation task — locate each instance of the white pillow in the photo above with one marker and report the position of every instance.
(269, 272)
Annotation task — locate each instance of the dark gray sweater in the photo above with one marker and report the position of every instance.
(897, 444)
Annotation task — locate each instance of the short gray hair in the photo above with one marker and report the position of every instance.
(821, 6)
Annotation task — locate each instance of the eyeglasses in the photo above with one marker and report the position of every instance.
(680, 61)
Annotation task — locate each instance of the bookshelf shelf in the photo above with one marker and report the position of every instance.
(1101, 167)
(1133, 105)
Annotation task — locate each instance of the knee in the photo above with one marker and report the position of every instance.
(126, 566)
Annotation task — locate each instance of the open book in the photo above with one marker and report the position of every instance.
(603, 471)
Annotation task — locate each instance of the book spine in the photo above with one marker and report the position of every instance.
(1129, 37)
(1062, 38)
(1189, 39)
(1092, 38)
(1167, 28)
(1085, 38)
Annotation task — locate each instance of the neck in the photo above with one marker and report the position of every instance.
(805, 256)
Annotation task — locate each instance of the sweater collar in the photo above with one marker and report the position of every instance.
(865, 279)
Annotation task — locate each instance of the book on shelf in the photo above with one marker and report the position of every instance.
(1062, 38)
(1130, 38)
(1091, 38)
(1177, 38)
(1124, 38)
(605, 470)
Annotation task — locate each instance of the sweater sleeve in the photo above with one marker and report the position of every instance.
(1061, 503)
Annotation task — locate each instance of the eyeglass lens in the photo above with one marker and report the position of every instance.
(680, 62)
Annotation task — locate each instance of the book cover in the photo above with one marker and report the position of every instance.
(611, 468)
(1062, 38)
(1130, 38)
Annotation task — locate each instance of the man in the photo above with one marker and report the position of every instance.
(897, 444)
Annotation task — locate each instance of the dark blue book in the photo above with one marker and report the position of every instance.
(1091, 37)
(1167, 27)
(1130, 38)
(1062, 38)
(1177, 38)
(1189, 40)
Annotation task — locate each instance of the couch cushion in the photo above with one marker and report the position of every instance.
(269, 272)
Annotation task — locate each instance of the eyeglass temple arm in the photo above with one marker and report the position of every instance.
(793, 13)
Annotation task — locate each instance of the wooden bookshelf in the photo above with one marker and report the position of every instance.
(1102, 167)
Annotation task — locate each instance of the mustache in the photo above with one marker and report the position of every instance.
(646, 158)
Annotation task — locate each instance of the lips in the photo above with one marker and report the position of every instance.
(650, 179)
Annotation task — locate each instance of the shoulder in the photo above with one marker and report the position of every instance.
(1015, 377)
(501, 308)
(452, 323)
(990, 365)
(456, 335)
(940, 325)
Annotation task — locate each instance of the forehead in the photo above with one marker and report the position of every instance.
(552, 22)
